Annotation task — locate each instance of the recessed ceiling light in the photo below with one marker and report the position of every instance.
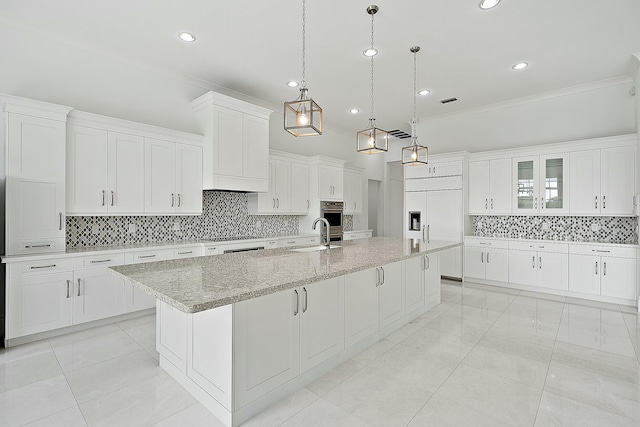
(424, 92)
(292, 84)
(370, 52)
(520, 66)
(354, 110)
(187, 37)
(488, 4)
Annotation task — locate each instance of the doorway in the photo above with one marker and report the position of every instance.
(376, 208)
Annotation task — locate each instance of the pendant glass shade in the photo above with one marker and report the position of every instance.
(372, 140)
(303, 117)
(415, 154)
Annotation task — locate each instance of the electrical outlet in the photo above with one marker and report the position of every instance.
(545, 226)
(595, 227)
(176, 226)
(132, 228)
(95, 229)
(258, 225)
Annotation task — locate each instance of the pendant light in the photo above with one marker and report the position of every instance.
(415, 154)
(373, 139)
(303, 117)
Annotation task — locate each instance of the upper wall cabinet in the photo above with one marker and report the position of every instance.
(490, 187)
(603, 181)
(352, 191)
(330, 179)
(541, 184)
(434, 170)
(35, 176)
(236, 144)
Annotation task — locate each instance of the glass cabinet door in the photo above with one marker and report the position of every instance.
(525, 172)
(554, 186)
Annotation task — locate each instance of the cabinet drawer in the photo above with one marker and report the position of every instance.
(597, 250)
(36, 246)
(349, 236)
(313, 240)
(562, 248)
(188, 252)
(145, 256)
(425, 184)
(483, 243)
(30, 268)
(285, 243)
(98, 261)
(211, 250)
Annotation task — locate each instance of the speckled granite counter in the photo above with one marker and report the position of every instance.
(198, 284)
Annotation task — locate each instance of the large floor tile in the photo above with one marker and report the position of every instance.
(451, 323)
(479, 315)
(323, 413)
(27, 370)
(139, 404)
(532, 328)
(35, 401)
(543, 296)
(594, 304)
(278, 413)
(595, 389)
(378, 399)
(536, 308)
(79, 350)
(510, 401)
(597, 339)
(488, 300)
(141, 329)
(371, 353)
(450, 346)
(194, 416)
(111, 375)
(439, 412)
(558, 411)
(24, 351)
(71, 417)
(335, 377)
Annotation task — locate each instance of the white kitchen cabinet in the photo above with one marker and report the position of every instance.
(432, 275)
(390, 293)
(414, 284)
(299, 188)
(236, 143)
(603, 181)
(486, 259)
(584, 273)
(434, 170)
(603, 270)
(490, 187)
(105, 172)
(537, 264)
(98, 294)
(278, 199)
(35, 181)
(266, 331)
(541, 184)
(330, 183)
(352, 192)
(173, 178)
(360, 305)
(136, 299)
(355, 235)
(618, 278)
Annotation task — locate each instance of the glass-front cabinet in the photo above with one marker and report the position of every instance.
(541, 184)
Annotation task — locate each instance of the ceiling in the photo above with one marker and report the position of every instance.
(254, 47)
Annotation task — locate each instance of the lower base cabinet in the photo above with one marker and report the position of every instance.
(600, 275)
(536, 268)
(136, 299)
(486, 263)
(390, 294)
(98, 295)
(361, 305)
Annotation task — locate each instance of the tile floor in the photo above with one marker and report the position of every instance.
(484, 357)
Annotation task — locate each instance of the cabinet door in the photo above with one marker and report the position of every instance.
(617, 180)
(321, 322)
(349, 207)
(497, 266)
(283, 186)
(553, 271)
(414, 283)
(479, 187)
(266, 333)
(432, 275)
(584, 182)
(160, 176)
(337, 179)
(35, 187)
(86, 170)
(618, 278)
(228, 134)
(39, 303)
(447, 169)
(501, 196)
(474, 265)
(299, 188)
(416, 216)
(125, 162)
(188, 179)
(357, 193)
(523, 267)
(554, 185)
(444, 215)
(390, 294)
(584, 274)
(256, 148)
(526, 178)
(136, 299)
(98, 294)
(325, 186)
(360, 305)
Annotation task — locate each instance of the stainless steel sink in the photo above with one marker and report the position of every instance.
(315, 248)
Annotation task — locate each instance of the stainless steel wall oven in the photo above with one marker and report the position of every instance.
(332, 212)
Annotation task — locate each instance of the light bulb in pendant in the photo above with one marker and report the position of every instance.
(303, 118)
(414, 155)
(372, 142)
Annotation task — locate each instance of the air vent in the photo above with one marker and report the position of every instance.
(448, 100)
(400, 134)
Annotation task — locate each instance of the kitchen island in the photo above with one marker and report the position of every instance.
(241, 331)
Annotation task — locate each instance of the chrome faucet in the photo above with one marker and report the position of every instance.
(325, 240)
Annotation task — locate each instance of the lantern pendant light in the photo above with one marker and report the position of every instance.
(373, 139)
(303, 117)
(415, 154)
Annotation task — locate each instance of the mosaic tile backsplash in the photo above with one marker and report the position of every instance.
(224, 215)
(607, 229)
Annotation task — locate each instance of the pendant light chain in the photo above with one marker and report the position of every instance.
(303, 83)
(372, 117)
(415, 119)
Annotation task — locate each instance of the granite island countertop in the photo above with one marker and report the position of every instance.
(197, 284)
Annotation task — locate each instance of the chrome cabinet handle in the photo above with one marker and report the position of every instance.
(354, 206)
(488, 257)
(147, 256)
(60, 221)
(434, 169)
(428, 233)
(112, 197)
(274, 203)
(596, 268)
(596, 202)
(423, 227)
(540, 262)
(179, 199)
(185, 253)
(68, 286)
(427, 262)
(99, 261)
(307, 204)
(48, 245)
(598, 250)
(482, 257)
(78, 287)
(429, 170)
(382, 268)
(486, 203)
(535, 203)
(172, 199)
(278, 203)
(492, 203)
(604, 267)
(533, 261)
(297, 310)
(103, 196)
(604, 202)
(42, 266)
(304, 308)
